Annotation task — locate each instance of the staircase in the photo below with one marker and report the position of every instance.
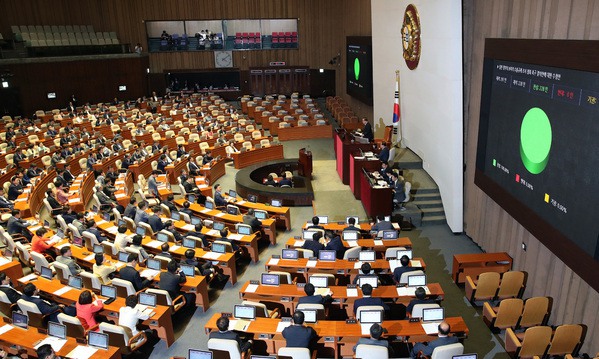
(425, 206)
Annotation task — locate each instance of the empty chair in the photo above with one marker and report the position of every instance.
(534, 342)
(352, 253)
(62, 271)
(91, 281)
(484, 289)
(124, 288)
(294, 353)
(74, 326)
(163, 298)
(418, 308)
(404, 276)
(120, 337)
(505, 316)
(284, 277)
(39, 261)
(567, 339)
(448, 351)
(368, 308)
(512, 285)
(261, 310)
(536, 312)
(226, 346)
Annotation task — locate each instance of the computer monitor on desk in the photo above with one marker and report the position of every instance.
(371, 316)
(290, 254)
(404, 252)
(372, 280)
(327, 255)
(319, 281)
(417, 280)
(199, 354)
(350, 235)
(323, 219)
(244, 312)
(310, 315)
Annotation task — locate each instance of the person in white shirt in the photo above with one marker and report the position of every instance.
(129, 315)
(121, 240)
(103, 269)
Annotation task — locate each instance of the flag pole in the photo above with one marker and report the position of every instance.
(397, 114)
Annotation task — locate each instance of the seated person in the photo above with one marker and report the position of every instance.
(335, 244)
(4, 202)
(314, 245)
(169, 202)
(366, 271)
(31, 294)
(223, 237)
(270, 181)
(6, 287)
(171, 281)
(164, 251)
(129, 315)
(381, 224)
(315, 224)
(376, 331)
(351, 221)
(45, 351)
(92, 227)
(88, 306)
(154, 221)
(297, 335)
(223, 332)
(205, 268)
(252, 221)
(170, 226)
(197, 232)
(121, 239)
(420, 299)
(131, 208)
(129, 273)
(285, 181)
(219, 200)
(16, 225)
(404, 268)
(443, 339)
(368, 299)
(207, 158)
(311, 298)
(136, 243)
(186, 209)
(103, 269)
(66, 258)
(41, 244)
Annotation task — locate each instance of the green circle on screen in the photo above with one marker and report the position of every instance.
(535, 140)
(357, 68)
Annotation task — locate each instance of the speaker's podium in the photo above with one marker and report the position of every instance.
(304, 168)
(377, 197)
(345, 145)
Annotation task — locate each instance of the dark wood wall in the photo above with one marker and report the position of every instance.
(322, 27)
(90, 80)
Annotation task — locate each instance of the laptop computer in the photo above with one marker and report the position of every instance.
(57, 330)
(153, 264)
(290, 254)
(368, 318)
(209, 205)
(46, 273)
(372, 280)
(270, 279)
(367, 256)
(162, 237)
(262, 357)
(188, 270)
(276, 203)
(404, 252)
(232, 210)
(121, 222)
(195, 220)
(327, 255)
(390, 234)
(191, 198)
(217, 226)
(232, 193)
(189, 243)
(78, 241)
(148, 299)
(108, 291)
(199, 354)
(308, 234)
(123, 256)
(310, 315)
(323, 219)
(245, 230)
(244, 312)
(219, 248)
(140, 230)
(98, 249)
(252, 198)
(319, 281)
(350, 235)
(465, 356)
(260, 214)
(175, 216)
(97, 340)
(417, 280)
(75, 282)
(20, 320)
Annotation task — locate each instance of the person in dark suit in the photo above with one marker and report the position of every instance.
(169, 203)
(223, 332)
(171, 281)
(186, 209)
(198, 234)
(297, 335)
(194, 169)
(219, 200)
(336, 245)
(162, 163)
(311, 298)
(404, 268)
(164, 251)
(376, 331)
(205, 268)
(31, 294)
(381, 224)
(131, 208)
(315, 224)
(270, 181)
(181, 151)
(368, 300)
(384, 154)
(252, 221)
(6, 287)
(399, 194)
(140, 214)
(190, 186)
(33, 171)
(367, 130)
(170, 226)
(385, 172)
(223, 237)
(285, 181)
(153, 185)
(154, 221)
(156, 147)
(15, 189)
(420, 299)
(365, 270)
(428, 348)
(67, 175)
(92, 228)
(16, 225)
(351, 221)
(314, 245)
(129, 273)
(4, 202)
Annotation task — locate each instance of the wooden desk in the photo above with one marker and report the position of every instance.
(356, 163)
(339, 267)
(161, 320)
(378, 245)
(13, 270)
(305, 132)
(30, 202)
(344, 336)
(477, 263)
(244, 159)
(28, 338)
(376, 200)
(214, 172)
(289, 294)
(282, 213)
(268, 225)
(344, 146)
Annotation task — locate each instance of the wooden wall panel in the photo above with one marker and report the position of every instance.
(322, 27)
(487, 223)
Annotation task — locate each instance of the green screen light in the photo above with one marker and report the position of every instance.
(535, 140)
(357, 68)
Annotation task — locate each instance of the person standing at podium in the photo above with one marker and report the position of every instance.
(367, 130)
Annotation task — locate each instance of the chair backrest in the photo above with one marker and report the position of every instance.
(509, 313)
(228, 246)
(294, 353)
(117, 335)
(62, 223)
(261, 310)
(140, 258)
(536, 312)
(447, 351)
(23, 252)
(511, 286)
(306, 253)
(74, 326)
(162, 296)
(149, 231)
(368, 307)
(124, 288)
(535, 342)
(487, 286)
(226, 345)
(566, 339)
(62, 271)
(90, 281)
(284, 277)
(391, 252)
(404, 276)
(352, 253)
(39, 260)
(367, 351)
(28, 307)
(417, 310)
